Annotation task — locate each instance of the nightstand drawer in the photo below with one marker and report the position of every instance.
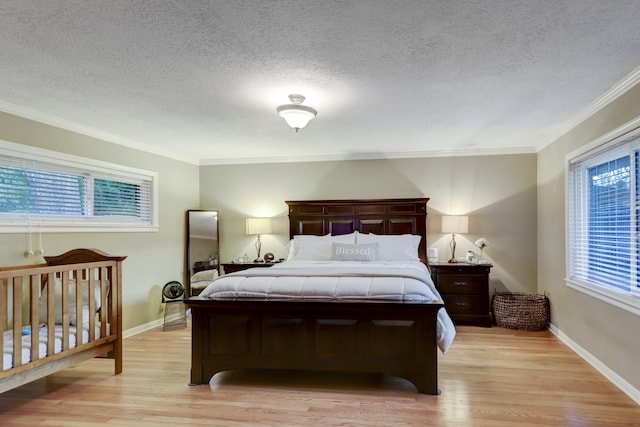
(466, 304)
(462, 284)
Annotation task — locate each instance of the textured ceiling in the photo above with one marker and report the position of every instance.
(200, 80)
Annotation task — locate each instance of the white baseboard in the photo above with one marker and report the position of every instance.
(150, 325)
(142, 328)
(616, 379)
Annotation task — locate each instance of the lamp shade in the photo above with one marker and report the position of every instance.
(456, 224)
(258, 225)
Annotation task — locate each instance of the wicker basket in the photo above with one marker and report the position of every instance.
(519, 310)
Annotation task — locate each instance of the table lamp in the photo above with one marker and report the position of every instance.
(454, 224)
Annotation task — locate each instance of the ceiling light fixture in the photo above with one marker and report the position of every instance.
(297, 116)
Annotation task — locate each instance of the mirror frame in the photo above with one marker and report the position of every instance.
(188, 262)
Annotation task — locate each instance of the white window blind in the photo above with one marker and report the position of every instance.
(55, 190)
(603, 219)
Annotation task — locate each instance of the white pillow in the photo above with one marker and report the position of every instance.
(204, 275)
(200, 285)
(316, 248)
(292, 247)
(72, 301)
(348, 252)
(400, 247)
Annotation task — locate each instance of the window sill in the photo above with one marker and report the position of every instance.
(76, 227)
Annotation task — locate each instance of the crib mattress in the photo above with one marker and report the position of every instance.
(7, 359)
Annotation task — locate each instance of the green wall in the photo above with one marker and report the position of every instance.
(154, 258)
(601, 330)
(498, 192)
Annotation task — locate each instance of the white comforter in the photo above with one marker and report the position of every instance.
(381, 280)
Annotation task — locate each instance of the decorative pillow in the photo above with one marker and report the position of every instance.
(204, 275)
(72, 301)
(347, 252)
(400, 247)
(316, 248)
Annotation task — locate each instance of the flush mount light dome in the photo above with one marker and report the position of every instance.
(297, 116)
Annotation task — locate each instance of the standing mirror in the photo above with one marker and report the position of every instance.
(202, 250)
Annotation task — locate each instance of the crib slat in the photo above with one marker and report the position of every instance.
(65, 310)
(113, 300)
(51, 331)
(3, 311)
(17, 318)
(92, 303)
(104, 303)
(79, 277)
(34, 315)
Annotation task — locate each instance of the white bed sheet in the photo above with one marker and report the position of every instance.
(7, 362)
(380, 280)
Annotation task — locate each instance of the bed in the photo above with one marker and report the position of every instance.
(382, 321)
(60, 313)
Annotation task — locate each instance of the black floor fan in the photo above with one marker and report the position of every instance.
(174, 311)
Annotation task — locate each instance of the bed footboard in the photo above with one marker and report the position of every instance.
(58, 314)
(394, 338)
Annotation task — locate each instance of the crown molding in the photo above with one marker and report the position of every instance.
(370, 156)
(602, 101)
(51, 120)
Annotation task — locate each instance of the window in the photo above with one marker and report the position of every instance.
(59, 192)
(603, 219)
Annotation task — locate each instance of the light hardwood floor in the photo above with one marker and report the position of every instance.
(490, 377)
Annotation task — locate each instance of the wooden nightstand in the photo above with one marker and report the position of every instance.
(465, 291)
(232, 267)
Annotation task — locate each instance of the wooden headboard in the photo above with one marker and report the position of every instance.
(378, 216)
